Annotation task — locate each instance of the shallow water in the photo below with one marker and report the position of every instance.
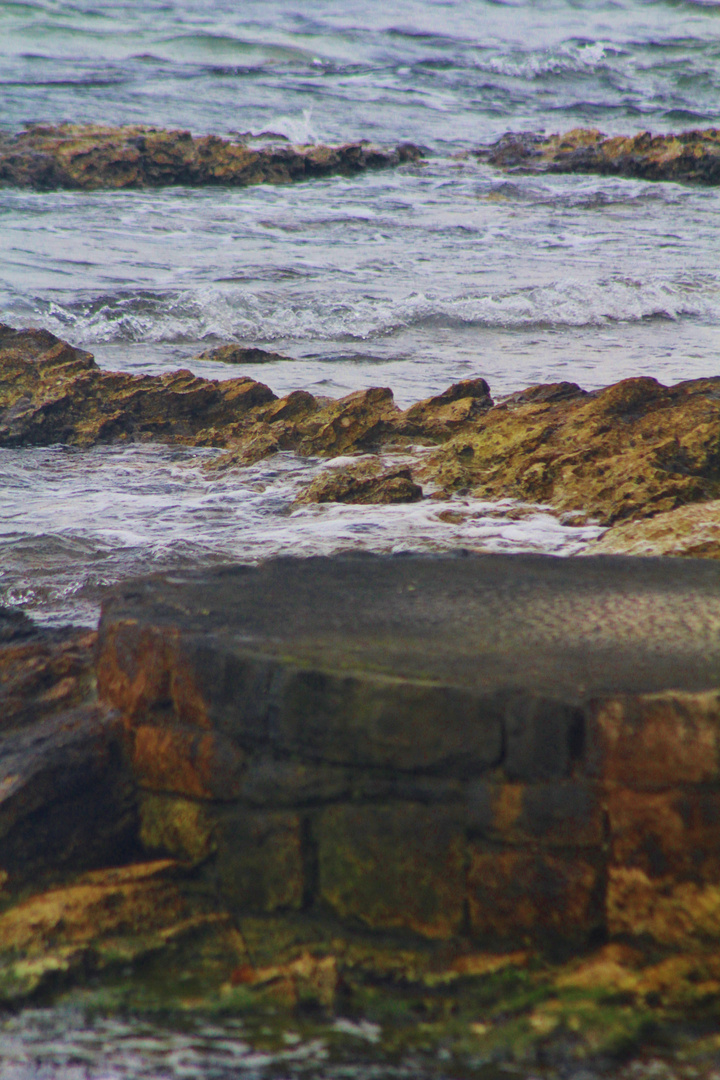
(412, 278)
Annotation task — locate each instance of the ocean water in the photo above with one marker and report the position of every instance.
(412, 278)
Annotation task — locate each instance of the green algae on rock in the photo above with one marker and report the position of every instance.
(89, 156)
(688, 157)
(631, 450)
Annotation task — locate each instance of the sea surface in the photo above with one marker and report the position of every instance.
(412, 279)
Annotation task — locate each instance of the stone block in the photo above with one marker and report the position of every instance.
(653, 741)
(524, 894)
(173, 825)
(399, 865)
(663, 833)
(187, 761)
(558, 815)
(381, 722)
(544, 739)
(260, 861)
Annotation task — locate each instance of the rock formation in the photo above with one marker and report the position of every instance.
(629, 451)
(477, 792)
(689, 157)
(93, 156)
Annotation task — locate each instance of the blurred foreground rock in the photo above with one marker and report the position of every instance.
(95, 156)
(688, 157)
(475, 800)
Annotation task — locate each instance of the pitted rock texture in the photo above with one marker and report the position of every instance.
(628, 451)
(94, 156)
(500, 748)
(688, 157)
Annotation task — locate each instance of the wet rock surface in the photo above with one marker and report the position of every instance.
(628, 451)
(470, 800)
(688, 157)
(365, 482)
(91, 156)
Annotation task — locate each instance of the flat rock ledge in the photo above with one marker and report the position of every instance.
(691, 157)
(88, 156)
(472, 799)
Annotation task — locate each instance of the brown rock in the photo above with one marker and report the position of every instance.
(67, 800)
(51, 392)
(692, 531)
(240, 354)
(655, 741)
(105, 920)
(364, 483)
(666, 833)
(93, 156)
(631, 450)
(394, 866)
(688, 157)
(518, 893)
(42, 671)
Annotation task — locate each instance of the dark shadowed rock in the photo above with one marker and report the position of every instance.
(42, 671)
(96, 156)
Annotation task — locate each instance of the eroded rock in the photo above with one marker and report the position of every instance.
(95, 156)
(632, 450)
(240, 354)
(364, 483)
(688, 157)
(692, 531)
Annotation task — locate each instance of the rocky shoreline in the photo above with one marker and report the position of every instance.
(622, 456)
(235, 797)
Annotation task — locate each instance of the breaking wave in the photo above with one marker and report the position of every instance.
(136, 316)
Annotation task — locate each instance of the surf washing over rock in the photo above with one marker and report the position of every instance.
(436, 284)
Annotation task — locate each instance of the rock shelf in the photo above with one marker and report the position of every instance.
(627, 452)
(89, 156)
(691, 157)
(482, 787)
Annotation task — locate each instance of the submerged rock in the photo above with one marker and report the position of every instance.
(688, 157)
(240, 354)
(95, 156)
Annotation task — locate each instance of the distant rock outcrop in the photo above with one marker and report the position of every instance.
(691, 157)
(95, 156)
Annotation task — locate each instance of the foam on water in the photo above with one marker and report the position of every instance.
(75, 522)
